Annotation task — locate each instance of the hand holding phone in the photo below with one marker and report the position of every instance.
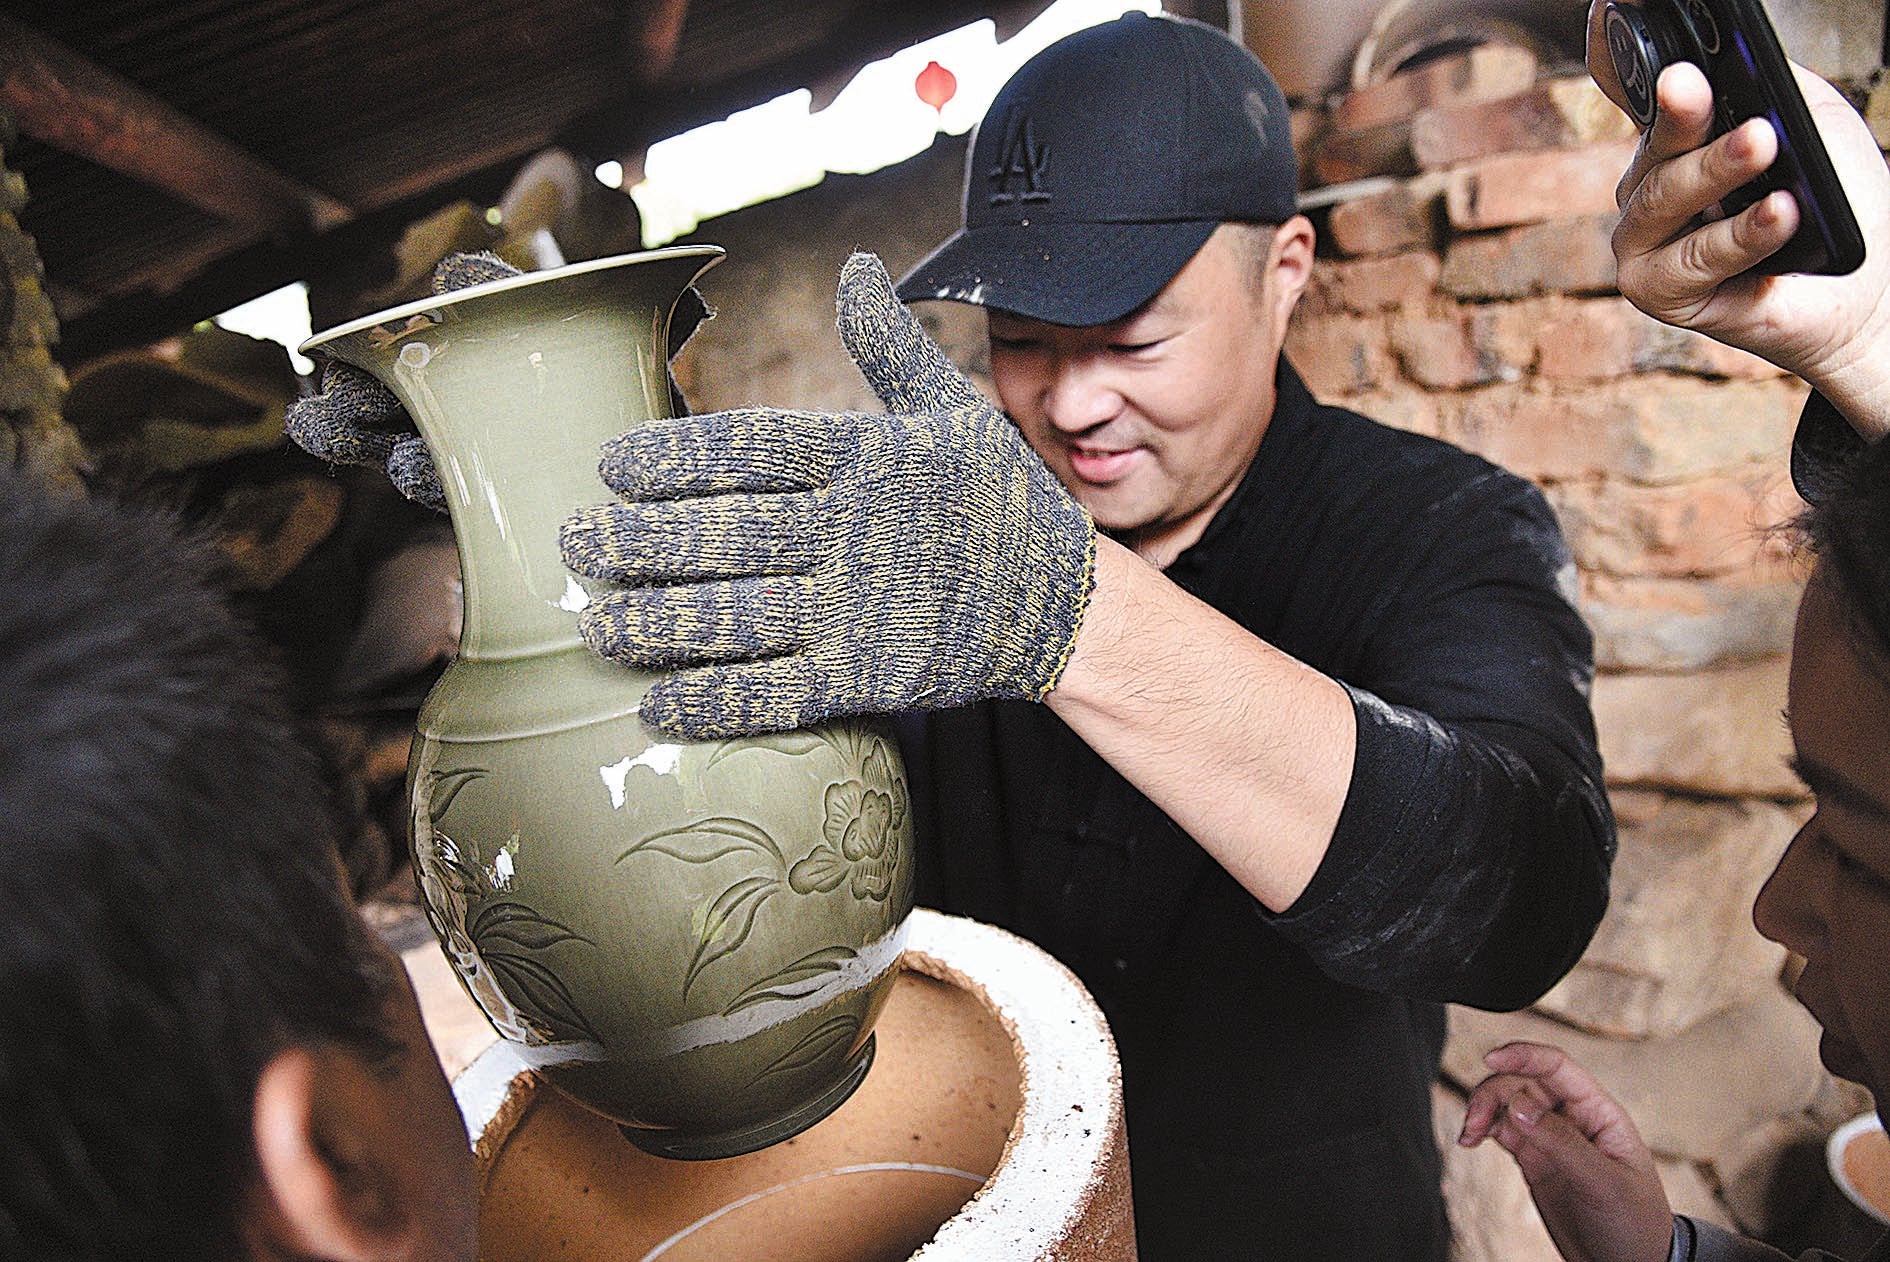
(1733, 43)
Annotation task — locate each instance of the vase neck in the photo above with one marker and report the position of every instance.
(515, 387)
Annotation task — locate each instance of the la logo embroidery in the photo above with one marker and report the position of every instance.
(1018, 175)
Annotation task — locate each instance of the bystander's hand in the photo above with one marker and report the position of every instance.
(1681, 263)
(1591, 1175)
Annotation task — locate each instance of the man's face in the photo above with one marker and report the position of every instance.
(1829, 900)
(1151, 420)
(424, 1118)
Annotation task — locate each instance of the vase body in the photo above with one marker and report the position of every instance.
(693, 939)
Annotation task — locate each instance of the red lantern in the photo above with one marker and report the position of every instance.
(935, 85)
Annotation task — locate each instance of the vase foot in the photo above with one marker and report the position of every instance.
(734, 1143)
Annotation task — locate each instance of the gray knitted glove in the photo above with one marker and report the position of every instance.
(787, 567)
(357, 420)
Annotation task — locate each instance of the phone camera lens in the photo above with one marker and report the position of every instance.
(1636, 60)
(1643, 40)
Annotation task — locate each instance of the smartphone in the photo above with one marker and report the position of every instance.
(1733, 42)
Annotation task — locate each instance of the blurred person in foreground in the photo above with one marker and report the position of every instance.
(208, 1054)
(1828, 901)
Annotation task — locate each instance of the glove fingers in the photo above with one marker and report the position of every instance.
(718, 536)
(352, 421)
(708, 622)
(753, 449)
(900, 361)
(740, 699)
(463, 270)
(410, 469)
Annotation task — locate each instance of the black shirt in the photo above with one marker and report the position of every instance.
(1277, 1068)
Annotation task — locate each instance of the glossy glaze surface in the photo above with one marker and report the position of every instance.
(692, 939)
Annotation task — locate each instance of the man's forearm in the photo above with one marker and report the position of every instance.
(1248, 750)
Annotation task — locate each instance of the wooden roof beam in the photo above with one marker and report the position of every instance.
(656, 30)
(69, 102)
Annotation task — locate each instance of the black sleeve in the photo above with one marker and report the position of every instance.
(1824, 443)
(1470, 862)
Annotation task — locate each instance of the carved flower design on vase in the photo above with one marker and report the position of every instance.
(863, 816)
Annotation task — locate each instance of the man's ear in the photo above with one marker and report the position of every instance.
(1291, 263)
(324, 1189)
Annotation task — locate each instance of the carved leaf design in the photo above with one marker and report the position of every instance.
(540, 995)
(826, 960)
(519, 925)
(794, 744)
(709, 840)
(816, 1045)
(730, 919)
(446, 787)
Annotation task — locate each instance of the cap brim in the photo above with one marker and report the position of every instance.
(1078, 274)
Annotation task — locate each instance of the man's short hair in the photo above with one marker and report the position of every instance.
(174, 912)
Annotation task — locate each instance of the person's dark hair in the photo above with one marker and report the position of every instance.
(1254, 241)
(1847, 527)
(173, 907)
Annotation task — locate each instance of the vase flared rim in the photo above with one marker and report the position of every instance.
(710, 254)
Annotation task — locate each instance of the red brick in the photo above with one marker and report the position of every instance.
(1687, 624)
(1309, 126)
(1589, 111)
(1451, 347)
(1677, 944)
(1366, 286)
(1603, 338)
(1591, 339)
(1443, 138)
(1669, 429)
(1654, 430)
(1479, 74)
(1713, 732)
(1520, 188)
(1353, 153)
(1566, 256)
(1340, 355)
(1702, 529)
(1535, 432)
(1550, 114)
(1404, 217)
(1682, 350)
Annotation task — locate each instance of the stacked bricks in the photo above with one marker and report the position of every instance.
(32, 385)
(1465, 289)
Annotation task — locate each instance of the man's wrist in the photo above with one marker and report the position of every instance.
(1095, 651)
(1859, 387)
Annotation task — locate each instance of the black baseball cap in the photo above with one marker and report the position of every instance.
(1102, 166)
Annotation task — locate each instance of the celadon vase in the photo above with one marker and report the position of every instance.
(693, 939)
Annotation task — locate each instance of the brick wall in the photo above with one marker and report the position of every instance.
(1465, 289)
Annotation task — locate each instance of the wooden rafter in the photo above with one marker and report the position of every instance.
(656, 31)
(67, 101)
